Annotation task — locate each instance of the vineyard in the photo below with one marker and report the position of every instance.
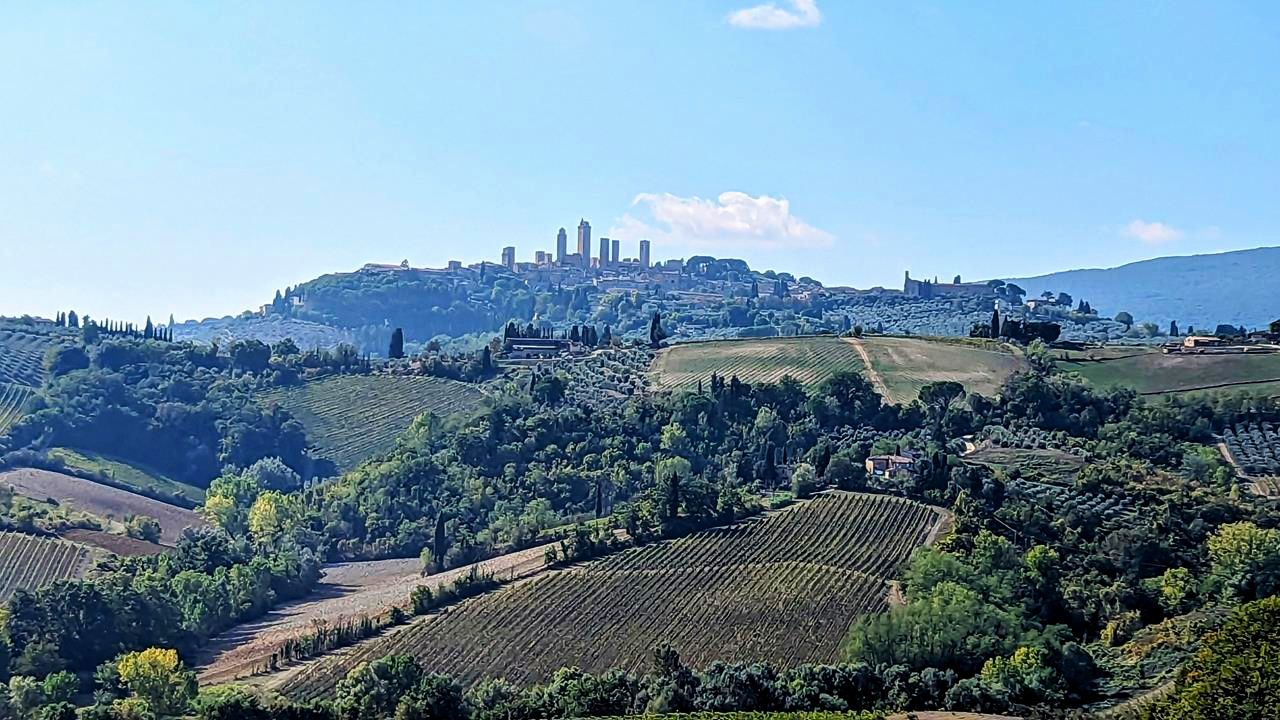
(352, 417)
(12, 399)
(22, 356)
(781, 588)
(29, 561)
(809, 360)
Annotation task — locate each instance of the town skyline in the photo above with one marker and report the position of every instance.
(263, 147)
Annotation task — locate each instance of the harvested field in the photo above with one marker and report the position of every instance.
(907, 364)
(348, 590)
(896, 367)
(28, 562)
(781, 588)
(122, 545)
(808, 359)
(350, 418)
(101, 500)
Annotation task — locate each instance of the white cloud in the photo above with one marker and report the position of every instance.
(732, 220)
(768, 16)
(1152, 233)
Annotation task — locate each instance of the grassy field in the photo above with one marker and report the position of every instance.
(1051, 466)
(898, 367)
(352, 417)
(1151, 372)
(138, 477)
(100, 500)
(12, 398)
(907, 364)
(28, 562)
(781, 588)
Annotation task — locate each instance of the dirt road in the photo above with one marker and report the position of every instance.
(877, 382)
(348, 590)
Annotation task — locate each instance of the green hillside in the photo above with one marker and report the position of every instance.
(1151, 372)
(132, 475)
(349, 418)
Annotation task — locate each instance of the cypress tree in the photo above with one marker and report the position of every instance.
(995, 323)
(396, 351)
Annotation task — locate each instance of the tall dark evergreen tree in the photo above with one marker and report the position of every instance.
(995, 323)
(1173, 328)
(149, 330)
(396, 351)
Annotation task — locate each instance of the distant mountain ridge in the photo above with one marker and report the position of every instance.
(1240, 287)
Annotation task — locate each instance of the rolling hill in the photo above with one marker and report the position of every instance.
(350, 418)
(1197, 290)
(781, 588)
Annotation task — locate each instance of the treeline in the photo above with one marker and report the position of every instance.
(1022, 331)
(92, 329)
(187, 410)
(586, 334)
(179, 599)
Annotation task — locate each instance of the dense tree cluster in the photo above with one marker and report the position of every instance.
(1007, 612)
(184, 409)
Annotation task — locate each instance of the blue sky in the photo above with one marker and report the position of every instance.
(193, 157)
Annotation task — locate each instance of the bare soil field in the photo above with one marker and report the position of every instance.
(122, 545)
(348, 590)
(107, 502)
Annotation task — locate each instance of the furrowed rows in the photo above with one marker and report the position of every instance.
(28, 562)
(782, 588)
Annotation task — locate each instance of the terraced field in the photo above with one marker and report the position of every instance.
(29, 561)
(781, 588)
(12, 399)
(897, 367)
(1151, 372)
(350, 418)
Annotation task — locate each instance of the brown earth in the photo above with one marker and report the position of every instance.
(116, 544)
(348, 590)
(96, 499)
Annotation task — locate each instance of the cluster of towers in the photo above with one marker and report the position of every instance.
(607, 258)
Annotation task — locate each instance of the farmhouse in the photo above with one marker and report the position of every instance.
(1200, 341)
(536, 348)
(889, 465)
